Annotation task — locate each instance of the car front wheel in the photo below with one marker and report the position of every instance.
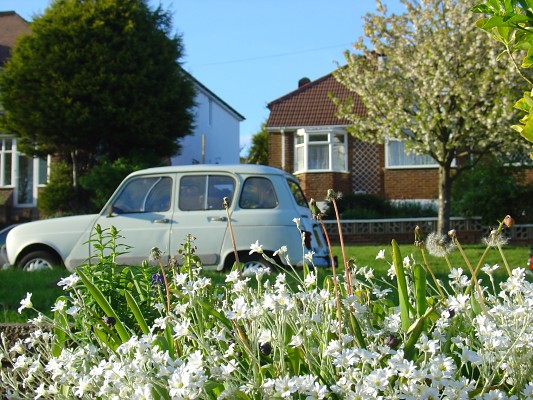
(38, 260)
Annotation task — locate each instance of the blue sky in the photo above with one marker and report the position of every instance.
(251, 52)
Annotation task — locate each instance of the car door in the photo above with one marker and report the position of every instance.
(142, 211)
(200, 212)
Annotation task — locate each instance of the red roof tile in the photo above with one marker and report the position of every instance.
(310, 105)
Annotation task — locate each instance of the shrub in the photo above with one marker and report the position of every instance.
(102, 179)
(58, 197)
(491, 189)
(370, 206)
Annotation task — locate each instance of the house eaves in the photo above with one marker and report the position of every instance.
(310, 105)
(213, 96)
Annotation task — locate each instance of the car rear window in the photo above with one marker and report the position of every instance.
(205, 192)
(258, 192)
(297, 193)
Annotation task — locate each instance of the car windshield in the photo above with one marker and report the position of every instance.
(149, 194)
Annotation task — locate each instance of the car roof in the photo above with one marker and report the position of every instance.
(232, 168)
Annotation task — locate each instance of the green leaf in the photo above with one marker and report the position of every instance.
(402, 285)
(523, 105)
(60, 329)
(137, 313)
(527, 62)
(210, 310)
(420, 278)
(414, 333)
(527, 131)
(104, 305)
(493, 22)
(482, 9)
(476, 307)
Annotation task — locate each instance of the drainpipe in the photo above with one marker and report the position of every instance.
(283, 149)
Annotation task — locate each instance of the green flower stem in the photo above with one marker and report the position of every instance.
(226, 206)
(476, 282)
(439, 287)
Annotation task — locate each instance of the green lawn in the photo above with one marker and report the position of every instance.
(42, 284)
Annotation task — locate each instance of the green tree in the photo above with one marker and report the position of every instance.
(429, 77)
(258, 153)
(98, 79)
(510, 22)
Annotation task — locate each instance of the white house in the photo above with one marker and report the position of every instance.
(215, 139)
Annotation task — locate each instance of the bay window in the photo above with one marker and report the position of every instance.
(320, 150)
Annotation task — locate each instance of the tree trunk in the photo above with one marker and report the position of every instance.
(445, 194)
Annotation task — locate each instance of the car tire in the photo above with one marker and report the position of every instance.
(251, 263)
(38, 260)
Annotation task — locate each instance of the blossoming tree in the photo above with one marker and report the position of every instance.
(430, 78)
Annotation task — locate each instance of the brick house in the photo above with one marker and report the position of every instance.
(307, 139)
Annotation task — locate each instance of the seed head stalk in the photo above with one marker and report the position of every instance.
(226, 206)
(332, 197)
(318, 215)
(420, 244)
(156, 255)
(453, 235)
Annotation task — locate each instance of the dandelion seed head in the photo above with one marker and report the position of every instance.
(439, 245)
(495, 239)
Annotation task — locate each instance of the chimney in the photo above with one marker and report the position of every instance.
(303, 81)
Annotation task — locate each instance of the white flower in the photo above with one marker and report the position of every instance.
(265, 336)
(60, 305)
(25, 303)
(309, 256)
(232, 277)
(281, 251)
(69, 281)
(256, 248)
(381, 255)
(296, 341)
(297, 222)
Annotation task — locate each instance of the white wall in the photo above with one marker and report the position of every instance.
(220, 127)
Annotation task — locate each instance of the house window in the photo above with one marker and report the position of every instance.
(397, 157)
(6, 163)
(320, 151)
(21, 173)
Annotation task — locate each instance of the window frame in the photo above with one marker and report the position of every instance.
(13, 166)
(388, 164)
(303, 143)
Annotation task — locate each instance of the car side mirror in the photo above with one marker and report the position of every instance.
(109, 211)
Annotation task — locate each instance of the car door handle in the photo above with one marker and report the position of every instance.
(218, 219)
(162, 221)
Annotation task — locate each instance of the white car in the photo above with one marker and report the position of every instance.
(159, 207)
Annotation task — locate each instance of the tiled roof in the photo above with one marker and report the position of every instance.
(310, 105)
(12, 26)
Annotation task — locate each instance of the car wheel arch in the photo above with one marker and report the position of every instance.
(36, 247)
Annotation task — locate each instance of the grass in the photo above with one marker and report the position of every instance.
(14, 284)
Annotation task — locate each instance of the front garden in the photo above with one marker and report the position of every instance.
(124, 332)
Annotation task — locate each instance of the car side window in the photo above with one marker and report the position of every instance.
(205, 192)
(258, 193)
(148, 194)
